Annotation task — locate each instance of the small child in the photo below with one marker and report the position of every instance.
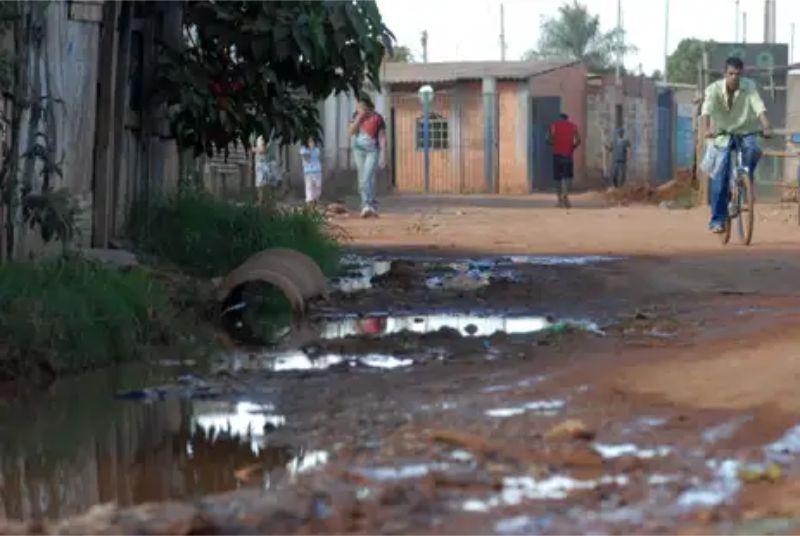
(312, 171)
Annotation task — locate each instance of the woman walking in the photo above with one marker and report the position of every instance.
(368, 132)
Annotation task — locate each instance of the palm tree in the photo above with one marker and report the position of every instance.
(575, 34)
(401, 54)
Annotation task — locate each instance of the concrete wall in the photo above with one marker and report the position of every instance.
(638, 99)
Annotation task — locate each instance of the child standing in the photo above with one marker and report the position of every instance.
(312, 171)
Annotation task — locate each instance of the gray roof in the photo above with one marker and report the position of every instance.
(400, 73)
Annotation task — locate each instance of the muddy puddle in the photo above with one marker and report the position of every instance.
(78, 446)
(362, 273)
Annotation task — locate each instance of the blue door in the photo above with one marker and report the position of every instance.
(664, 171)
(544, 112)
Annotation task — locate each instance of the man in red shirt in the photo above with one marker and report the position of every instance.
(564, 138)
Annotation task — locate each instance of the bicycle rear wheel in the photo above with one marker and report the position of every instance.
(746, 202)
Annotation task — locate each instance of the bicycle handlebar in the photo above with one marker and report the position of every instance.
(742, 134)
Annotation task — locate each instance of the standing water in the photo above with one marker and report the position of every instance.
(78, 446)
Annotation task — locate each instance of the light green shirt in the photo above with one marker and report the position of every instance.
(742, 116)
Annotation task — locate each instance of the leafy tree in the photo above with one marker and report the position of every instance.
(682, 64)
(401, 54)
(575, 34)
(259, 68)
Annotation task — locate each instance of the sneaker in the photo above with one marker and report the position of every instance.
(567, 204)
(369, 213)
(717, 228)
(365, 213)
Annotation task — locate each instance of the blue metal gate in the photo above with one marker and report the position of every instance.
(664, 171)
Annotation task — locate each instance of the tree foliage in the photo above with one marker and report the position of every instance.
(401, 54)
(575, 34)
(259, 68)
(682, 64)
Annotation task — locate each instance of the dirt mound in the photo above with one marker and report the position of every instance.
(648, 193)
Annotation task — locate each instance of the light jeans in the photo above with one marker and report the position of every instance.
(366, 158)
(718, 163)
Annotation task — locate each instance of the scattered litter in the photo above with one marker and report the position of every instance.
(561, 261)
(546, 407)
(662, 480)
(629, 449)
(399, 473)
(570, 429)
(725, 430)
(461, 455)
(722, 488)
(359, 273)
(517, 489)
(504, 412)
(786, 448)
(752, 473)
(643, 423)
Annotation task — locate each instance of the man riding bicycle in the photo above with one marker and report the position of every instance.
(735, 107)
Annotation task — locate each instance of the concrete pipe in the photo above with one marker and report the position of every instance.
(295, 274)
(301, 268)
(248, 274)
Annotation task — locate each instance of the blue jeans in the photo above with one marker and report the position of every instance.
(366, 164)
(720, 178)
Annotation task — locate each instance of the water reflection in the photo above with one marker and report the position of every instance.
(297, 360)
(465, 324)
(239, 419)
(78, 446)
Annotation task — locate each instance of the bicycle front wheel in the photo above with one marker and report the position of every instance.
(746, 201)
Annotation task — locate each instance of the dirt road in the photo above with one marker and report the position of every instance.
(479, 376)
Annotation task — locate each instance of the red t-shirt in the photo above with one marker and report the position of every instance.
(372, 125)
(562, 132)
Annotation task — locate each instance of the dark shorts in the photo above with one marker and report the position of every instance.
(562, 167)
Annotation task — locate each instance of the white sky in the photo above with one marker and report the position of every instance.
(464, 30)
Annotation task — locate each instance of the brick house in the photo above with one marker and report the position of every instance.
(488, 124)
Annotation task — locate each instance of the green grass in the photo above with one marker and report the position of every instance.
(76, 315)
(208, 237)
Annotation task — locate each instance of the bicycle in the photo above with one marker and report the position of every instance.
(741, 197)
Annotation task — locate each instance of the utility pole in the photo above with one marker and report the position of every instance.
(502, 33)
(769, 21)
(666, 39)
(736, 21)
(619, 42)
(424, 40)
(744, 27)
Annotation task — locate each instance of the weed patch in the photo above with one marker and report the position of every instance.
(70, 314)
(207, 237)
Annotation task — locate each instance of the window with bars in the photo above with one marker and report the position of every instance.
(438, 133)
